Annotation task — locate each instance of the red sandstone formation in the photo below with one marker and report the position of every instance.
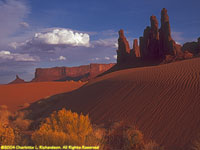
(155, 44)
(136, 49)
(176, 48)
(144, 42)
(153, 47)
(187, 55)
(167, 45)
(83, 73)
(150, 40)
(17, 80)
(96, 69)
(165, 34)
(49, 74)
(199, 45)
(123, 51)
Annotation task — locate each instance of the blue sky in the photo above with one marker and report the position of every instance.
(49, 33)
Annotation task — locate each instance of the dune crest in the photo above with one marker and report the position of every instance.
(163, 101)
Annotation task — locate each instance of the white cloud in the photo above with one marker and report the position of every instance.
(111, 42)
(178, 43)
(60, 58)
(7, 55)
(107, 58)
(24, 24)
(116, 45)
(15, 45)
(61, 36)
(95, 59)
(115, 56)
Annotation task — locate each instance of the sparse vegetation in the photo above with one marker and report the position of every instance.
(66, 128)
(7, 136)
(12, 127)
(19, 121)
(135, 139)
(122, 136)
(4, 114)
(69, 128)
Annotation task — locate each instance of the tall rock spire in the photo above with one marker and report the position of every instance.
(123, 52)
(136, 49)
(153, 47)
(167, 45)
(149, 43)
(165, 34)
(198, 43)
(144, 43)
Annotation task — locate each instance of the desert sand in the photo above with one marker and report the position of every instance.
(16, 96)
(162, 101)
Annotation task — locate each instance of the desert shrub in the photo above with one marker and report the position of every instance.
(97, 137)
(18, 121)
(134, 139)
(12, 127)
(65, 128)
(4, 114)
(123, 136)
(115, 135)
(7, 135)
(49, 137)
(10, 135)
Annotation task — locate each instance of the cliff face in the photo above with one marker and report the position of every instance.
(83, 73)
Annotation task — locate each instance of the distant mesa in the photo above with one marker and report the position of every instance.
(82, 73)
(17, 80)
(156, 45)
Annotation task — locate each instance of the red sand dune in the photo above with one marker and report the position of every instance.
(163, 101)
(16, 95)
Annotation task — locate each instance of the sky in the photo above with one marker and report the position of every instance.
(50, 33)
